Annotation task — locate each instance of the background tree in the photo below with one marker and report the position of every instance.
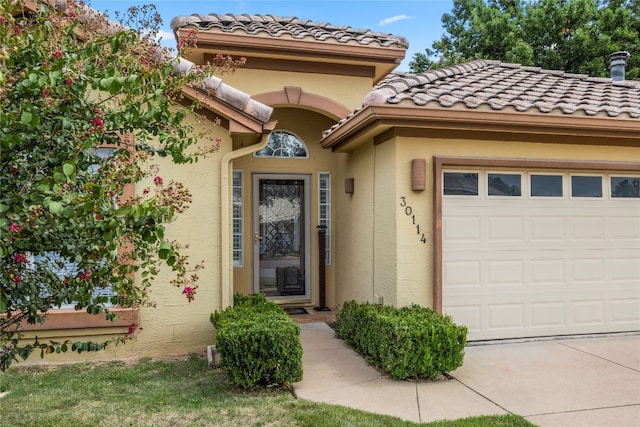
(72, 83)
(572, 35)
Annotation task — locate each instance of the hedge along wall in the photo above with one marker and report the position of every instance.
(259, 344)
(408, 342)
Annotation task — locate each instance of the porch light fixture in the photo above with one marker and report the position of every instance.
(349, 184)
(418, 174)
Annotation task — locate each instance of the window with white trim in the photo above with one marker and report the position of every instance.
(324, 210)
(238, 220)
(625, 187)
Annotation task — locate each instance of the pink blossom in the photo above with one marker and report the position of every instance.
(18, 30)
(218, 140)
(57, 54)
(132, 328)
(14, 228)
(97, 122)
(97, 111)
(157, 180)
(69, 81)
(84, 276)
(1, 19)
(17, 278)
(243, 59)
(45, 93)
(145, 191)
(14, 170)
(20, 258)
(189, 292)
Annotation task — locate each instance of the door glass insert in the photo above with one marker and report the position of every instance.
(586, 186)
(546, 185)
(281, 237)
(460, 184)
(625, 186)
(504, 184)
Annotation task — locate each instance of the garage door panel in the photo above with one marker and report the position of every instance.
(548, 314)
(547, 272)
(625, 311)
(505, 317)
(462, 273)
(587, 228)
(469, 315)
(587, 313)
(505, 229)
(625, 228)
(505, 273)
(525, 266)
(625, 269)
(586, 270)
(462, 229)
(545, 229)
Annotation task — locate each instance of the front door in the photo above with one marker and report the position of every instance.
(281, 236)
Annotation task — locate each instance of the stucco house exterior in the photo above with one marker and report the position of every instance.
(505, 196)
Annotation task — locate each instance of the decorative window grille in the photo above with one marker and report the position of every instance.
(284, 144)
(238, 220)
(324, 210)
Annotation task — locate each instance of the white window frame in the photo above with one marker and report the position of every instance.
(325, 218)
(237, 228)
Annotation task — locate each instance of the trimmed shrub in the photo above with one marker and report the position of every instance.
(259, 344)
(407, 342)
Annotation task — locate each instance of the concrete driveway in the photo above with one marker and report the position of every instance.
(565, 382)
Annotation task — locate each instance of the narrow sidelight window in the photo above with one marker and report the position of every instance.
(324, 210)
(238, 220)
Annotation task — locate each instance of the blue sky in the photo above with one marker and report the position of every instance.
(416, 20)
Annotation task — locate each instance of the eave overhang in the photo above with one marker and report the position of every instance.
(384, 59)
(239, 123)
(371, 122)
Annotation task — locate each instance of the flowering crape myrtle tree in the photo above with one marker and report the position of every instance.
(85, 105)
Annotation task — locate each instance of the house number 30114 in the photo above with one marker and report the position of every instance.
(408, 211)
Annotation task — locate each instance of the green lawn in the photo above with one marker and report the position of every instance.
(170, 393)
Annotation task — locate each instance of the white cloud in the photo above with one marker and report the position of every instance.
(393, 19)
(165, 36)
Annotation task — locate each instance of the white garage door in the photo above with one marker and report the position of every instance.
(537, 253)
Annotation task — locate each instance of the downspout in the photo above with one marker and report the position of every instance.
(227, 285)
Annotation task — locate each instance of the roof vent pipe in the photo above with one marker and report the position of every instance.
(617, 63)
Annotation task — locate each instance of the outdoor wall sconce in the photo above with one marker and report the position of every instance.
(349, 185)
(418, 174)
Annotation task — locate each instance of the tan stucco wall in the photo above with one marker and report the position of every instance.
(346, 90)
(400, 268)
(308, 126)
(355, 219)
(173, 326)
(186, 325)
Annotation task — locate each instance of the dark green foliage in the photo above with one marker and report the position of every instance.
(407, 342)
(258, 343)
(575, 36)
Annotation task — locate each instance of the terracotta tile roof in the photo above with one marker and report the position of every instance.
(214, 87)
(501, 86)
(497, 86)
(277, 26)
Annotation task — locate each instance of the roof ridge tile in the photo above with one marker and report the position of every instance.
(325, 30)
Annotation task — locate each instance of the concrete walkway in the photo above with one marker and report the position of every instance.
(570, 382)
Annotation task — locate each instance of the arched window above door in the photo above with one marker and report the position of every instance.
(284, 144)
